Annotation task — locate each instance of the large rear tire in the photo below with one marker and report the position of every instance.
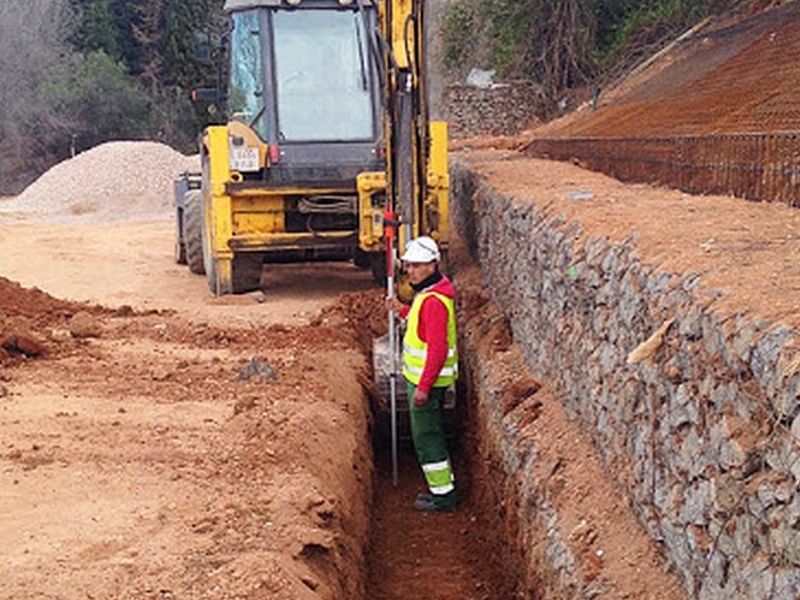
(361, 259)
(193, 231)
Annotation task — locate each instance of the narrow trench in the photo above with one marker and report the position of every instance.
(442, 556)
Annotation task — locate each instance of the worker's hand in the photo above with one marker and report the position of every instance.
(420, 398)
(394, 304)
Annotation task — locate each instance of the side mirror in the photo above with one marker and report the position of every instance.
(210, 100)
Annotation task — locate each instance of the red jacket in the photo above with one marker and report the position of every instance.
(432, 330)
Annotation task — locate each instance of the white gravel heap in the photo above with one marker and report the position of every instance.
(115, 181)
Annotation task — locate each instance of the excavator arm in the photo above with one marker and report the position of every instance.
(416, 180)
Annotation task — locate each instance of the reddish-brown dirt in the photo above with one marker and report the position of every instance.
(150, 456)
(746, 252)
(145, 463)
(731, 78)
(409, 550)
(447, 556)
(16, 301)
(594, 517)
(28, 320)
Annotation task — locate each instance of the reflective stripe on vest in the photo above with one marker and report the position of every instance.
(415, 351)
(439, 477)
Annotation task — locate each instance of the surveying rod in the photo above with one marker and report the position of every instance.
(389, 229)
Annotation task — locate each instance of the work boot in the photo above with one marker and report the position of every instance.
(430, 503)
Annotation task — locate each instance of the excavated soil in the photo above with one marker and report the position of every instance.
(158, 458)
(33, 324)
(590, 514)
(175, 445)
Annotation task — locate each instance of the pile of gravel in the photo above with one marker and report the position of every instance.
(116, 181)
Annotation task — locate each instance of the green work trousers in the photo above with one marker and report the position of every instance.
(430, 445)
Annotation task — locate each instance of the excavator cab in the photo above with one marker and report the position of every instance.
(300, 78)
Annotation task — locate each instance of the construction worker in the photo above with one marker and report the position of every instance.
(430, 366)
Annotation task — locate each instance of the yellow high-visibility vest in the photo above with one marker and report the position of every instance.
(415, 351)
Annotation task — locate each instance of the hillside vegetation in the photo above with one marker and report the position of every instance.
(567, 44)
(80, 72)
(77, 73)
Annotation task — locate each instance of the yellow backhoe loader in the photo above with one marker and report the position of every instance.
(327, 142)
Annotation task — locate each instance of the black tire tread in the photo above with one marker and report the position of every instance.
(193, 231)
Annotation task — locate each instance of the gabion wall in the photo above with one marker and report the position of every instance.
(699, 426)
(504, 110)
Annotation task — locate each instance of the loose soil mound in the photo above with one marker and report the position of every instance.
(204, 479)
(113, 181)
(361, 313)
(28, 318)
(16, 301)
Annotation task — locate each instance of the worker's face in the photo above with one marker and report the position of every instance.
(418, 272)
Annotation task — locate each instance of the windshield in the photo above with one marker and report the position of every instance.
(246, 101)
(323, 86)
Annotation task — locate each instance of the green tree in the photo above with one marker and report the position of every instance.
(187, 25)
(95, 100)
(97, 29)
(167, 33)
(156, 40)
(108, 25)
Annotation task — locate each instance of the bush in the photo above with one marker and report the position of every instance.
(459, 47)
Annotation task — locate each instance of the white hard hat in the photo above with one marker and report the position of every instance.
(422, 250)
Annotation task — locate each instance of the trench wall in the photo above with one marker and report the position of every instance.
(700, 431)
(514, 469)
(566, 532)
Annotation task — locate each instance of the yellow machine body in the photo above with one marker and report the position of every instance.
(246, 223)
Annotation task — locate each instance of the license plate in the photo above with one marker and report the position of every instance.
(244, 159)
